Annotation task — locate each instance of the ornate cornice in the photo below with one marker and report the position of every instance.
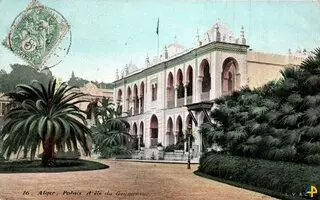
(191, 54)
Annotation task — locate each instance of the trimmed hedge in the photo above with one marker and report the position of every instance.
(27, 166)
(283, 177)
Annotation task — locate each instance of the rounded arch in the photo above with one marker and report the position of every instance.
(189, 121)
(170, 88)
(170, 136)
(230, 76)
(204, 67)
(142, 89)
(141, 132)
(142, 97)
(189, 73)
(135, 90)
(119, 95)
(179, 123)
(154, 121)
(180, 92)
(153, 131)
(189, 78)
(129, 92)
(206, 76)
(134, 129)
(170, 80)
(141, 128)
(135, 136)
(169, 125)
(179, 129)
(179, 77)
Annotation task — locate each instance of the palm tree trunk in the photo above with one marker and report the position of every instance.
(48, 150)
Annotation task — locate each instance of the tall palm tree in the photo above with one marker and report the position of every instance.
(111, 135)
(44, 115)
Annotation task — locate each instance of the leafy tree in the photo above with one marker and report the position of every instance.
(76, 81)
(22, 74)
(279, 121)
(44, 115)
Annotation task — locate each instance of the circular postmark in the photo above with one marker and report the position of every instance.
(36, 35)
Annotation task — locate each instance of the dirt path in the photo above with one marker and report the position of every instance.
(123, 180)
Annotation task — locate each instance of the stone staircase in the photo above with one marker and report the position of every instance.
(151, 153)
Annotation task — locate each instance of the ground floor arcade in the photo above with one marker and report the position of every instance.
(168, 127)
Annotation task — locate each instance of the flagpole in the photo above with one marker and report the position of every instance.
(158, 46)
(158, 38)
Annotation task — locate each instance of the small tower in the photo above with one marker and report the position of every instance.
(242, 39)
(72, 74)
(198, 42)
(126, 70)
(289, 51)
(117, 74)
(216, 33)
(147, 62)
(165, 52)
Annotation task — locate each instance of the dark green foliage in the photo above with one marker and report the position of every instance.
(172, 147)
(279, 121)
(61, 166)
(110, 135)
(76, 81)
(22, 74)
(44, 115)
(80, 82)
(283, 177)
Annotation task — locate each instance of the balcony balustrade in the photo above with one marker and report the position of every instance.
(153, 142)
(170, 104)
(189, 99)
(180, 102)
(205, 96)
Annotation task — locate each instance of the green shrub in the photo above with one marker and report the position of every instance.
(283, 177)
(170, 148)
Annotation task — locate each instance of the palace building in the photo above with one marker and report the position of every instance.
(174, 91)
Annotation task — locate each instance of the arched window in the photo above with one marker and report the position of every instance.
(153, 131)
(180, 93)
(154, 91)
(135, 136)
(142, 97)
(189, 80)
(206, 80)
(119, 98)
(170, 89)
(129, 108)
(229, 76)
(136, 99)
(180, 132)
(170, 136)
(141, 131)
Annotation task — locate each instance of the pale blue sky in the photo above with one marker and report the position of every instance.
(107, 34)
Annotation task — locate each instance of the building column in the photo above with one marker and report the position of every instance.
(199, 88)
(185, 93)
(140, 105)
(175, 96)
(175, 137)
(166, 143)
(128, 105)
(134, 105)
(139, 136)
(168, 96)
(185, 143)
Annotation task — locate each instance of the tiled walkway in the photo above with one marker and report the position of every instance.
(123, 180)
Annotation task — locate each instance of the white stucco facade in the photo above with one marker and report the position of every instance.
(215, 66)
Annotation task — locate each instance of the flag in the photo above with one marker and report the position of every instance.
(157, 27)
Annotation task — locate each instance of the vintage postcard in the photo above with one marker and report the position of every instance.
(156, 100)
